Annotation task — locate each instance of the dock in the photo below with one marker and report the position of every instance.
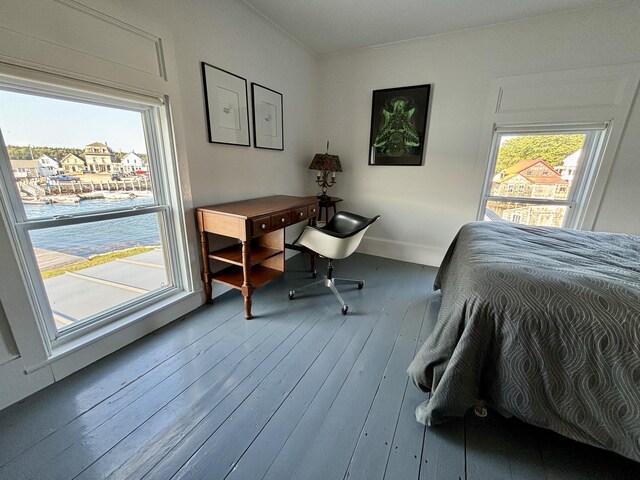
(49, 260)
(130, 184)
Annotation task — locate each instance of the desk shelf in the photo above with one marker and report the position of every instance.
(233, 277)
(233, 254)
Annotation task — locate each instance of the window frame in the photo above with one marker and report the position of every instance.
(596, 135)
(167, 204)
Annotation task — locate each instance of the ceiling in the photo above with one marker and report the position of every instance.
(328, 26)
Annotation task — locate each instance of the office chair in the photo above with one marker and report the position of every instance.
(337, 239)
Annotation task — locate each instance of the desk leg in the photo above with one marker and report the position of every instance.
(206, 269)
(247, 288)
(312, 255)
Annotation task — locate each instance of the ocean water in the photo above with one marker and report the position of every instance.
(97, 237)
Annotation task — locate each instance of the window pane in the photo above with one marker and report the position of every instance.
(526, 213)
(74, 157)
(93, 267)
(537, 166)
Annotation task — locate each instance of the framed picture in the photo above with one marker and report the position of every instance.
(267, 118)
(398, 125)
(226, 101)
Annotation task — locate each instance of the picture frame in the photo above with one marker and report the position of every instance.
(399, 125)
(226, 103)
(268, 124)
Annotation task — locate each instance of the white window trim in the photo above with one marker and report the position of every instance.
(617, 86)
(584, 180)
(157, 121)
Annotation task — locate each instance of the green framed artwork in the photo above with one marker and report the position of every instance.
(399, 125)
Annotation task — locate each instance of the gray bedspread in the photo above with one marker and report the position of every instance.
(543, 324)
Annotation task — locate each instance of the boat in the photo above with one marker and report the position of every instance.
(35, 201)
(66, 199)
(118, 195)
(142, 193)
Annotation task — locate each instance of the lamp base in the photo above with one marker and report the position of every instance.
(323, 197)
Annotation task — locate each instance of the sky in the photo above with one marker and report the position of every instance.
(46, 122)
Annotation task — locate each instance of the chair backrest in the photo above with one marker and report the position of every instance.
(339, 238)
(346, 224)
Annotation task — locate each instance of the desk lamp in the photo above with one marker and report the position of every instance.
(327, 166)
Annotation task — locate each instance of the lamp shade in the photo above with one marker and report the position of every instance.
(325, 162)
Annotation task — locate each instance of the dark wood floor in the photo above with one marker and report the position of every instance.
(299, 392)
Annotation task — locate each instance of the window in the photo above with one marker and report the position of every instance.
(539, 155)
(93, 250)
(516, 218)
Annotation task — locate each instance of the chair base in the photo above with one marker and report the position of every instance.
(331, 284)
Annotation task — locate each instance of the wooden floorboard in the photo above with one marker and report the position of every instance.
(168, 427)
(299, 392)
(122, 411)
(371, 453)
(111, 381)
(326, 374)
(190, 405)
(330, 449)
(190, 377)
(181, 453)
(405, 456)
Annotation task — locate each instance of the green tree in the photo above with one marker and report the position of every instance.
(17, 152)
(553, 149)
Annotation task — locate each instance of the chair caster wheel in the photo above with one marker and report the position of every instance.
(360, 285)
(345, 309)
(291, 294)
(314, 274)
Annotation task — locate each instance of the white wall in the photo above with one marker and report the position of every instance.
(8, 349)
(156, 46)
(423, 207)
(228, 35)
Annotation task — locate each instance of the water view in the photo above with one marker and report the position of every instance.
(107, 236)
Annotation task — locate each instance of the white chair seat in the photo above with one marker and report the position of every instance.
(336, 240)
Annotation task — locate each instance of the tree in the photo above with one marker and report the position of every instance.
(17, 152)
(553, 149)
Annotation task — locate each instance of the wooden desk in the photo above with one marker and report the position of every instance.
(259, 226)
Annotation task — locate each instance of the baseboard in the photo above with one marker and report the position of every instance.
(16, 385)
(407, 252)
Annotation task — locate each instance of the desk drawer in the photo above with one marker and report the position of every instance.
(280, 220)
(299, 214)
(261, 225)
(313, 211)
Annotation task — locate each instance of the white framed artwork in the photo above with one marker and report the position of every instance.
(226, 103)
(267, 118)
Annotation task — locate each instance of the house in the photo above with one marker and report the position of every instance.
(530, 179)
(264, 396)
(24, 169)
(100, 158)
(72, 163)
(47, 166)
(568, 168)
(131, 163)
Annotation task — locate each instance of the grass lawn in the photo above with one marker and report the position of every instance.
(94, 260)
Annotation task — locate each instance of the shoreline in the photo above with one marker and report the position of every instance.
(79, 197)
(96, 259)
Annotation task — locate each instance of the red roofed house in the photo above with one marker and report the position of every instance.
(530, 179)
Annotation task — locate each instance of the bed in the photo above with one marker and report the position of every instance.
(542, 324)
